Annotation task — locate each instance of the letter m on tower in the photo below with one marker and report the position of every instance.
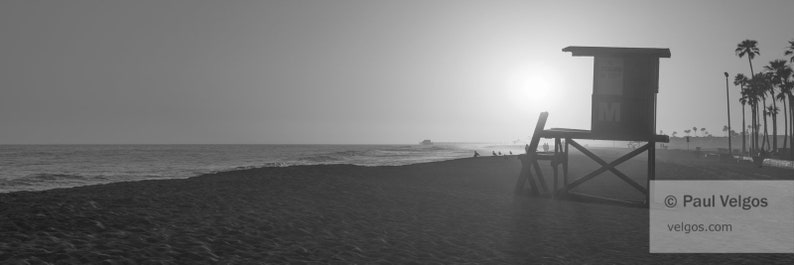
(609, 111)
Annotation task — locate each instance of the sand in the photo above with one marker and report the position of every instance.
(460, 211)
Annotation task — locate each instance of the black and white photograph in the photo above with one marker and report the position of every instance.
(396, 132)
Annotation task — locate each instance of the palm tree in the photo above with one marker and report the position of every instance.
(777, 71)
(695, 129)
(753, 98)
(780, 78)
(703, 131)
(674, 133)
(687, 132)
(749, 48)
(790, 50)
(741, 81)
(759, 86)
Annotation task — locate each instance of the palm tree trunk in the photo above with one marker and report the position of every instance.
(755, 127)
(744, 132)
(765, 141)
(752, 74)
(774, 120)
(791, 123)
(752, 123)
(785, 124)
(774, 132)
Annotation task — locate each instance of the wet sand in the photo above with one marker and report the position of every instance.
(460, 211)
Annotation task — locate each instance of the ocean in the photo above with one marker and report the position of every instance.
(41, 167)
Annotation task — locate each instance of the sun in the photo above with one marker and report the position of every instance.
(534, 87)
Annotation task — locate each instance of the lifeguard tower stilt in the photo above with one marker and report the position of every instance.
(530, 161)
(625, 84)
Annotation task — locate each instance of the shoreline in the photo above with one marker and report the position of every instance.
(46, 167)
(231, 170)
(671, 156)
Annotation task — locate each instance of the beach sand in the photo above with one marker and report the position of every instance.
(459, 211)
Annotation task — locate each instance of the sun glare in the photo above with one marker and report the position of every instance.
(534, 87)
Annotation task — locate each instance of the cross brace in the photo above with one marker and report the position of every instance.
(609, 166)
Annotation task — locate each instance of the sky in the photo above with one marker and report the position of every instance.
(355, 71)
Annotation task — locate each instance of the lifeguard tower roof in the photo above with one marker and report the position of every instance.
(614, 51)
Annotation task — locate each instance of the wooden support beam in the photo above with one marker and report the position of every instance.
(534, 186)
(613, 170)
(526, 175)
(651, 169)
(541, 178)
(604, 168)
(565, 164)
(556, 162)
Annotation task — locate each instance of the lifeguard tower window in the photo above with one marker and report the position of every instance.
(625, 83)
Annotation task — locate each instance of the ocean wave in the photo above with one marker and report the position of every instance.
(276, 164)
(348, 153)
(391, 152)
(50, 177)
(42, 181)
(321, 158)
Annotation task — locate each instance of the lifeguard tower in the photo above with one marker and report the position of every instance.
(625, 84)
